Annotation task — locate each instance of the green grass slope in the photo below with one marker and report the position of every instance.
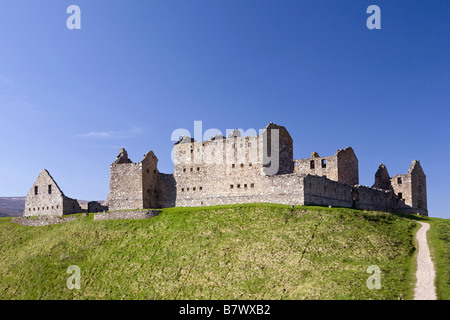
(439, 242)
(438, 238)
(256, 251)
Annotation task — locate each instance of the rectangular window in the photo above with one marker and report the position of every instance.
(311, 164)
(231, 186)
(238, 185)
(182, 189)
(201, 188)
(252, 185)
(193, 189)
(400, 195)
(233, 165)
(245, 185)
(324, 163)
(36, 190)
(50, 189)
(399, 180)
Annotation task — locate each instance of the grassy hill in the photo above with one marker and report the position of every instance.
(256, 251)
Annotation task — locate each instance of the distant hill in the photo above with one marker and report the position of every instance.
(12, 206)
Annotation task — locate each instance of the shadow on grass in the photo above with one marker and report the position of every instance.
(409, 216)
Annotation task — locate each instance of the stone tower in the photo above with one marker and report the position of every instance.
(133, 185)
(411, 190)
(278, 154)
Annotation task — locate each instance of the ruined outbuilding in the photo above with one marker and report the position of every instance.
(46, 198)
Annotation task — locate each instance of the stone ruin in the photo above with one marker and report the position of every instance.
(45, 198)
(250, 169)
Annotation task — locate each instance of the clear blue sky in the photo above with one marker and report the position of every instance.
(139, 69)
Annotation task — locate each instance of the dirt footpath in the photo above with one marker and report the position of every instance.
(425, 289)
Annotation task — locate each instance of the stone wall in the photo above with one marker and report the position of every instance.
(372, 199)
(319, 166)
(41, 220)
(95, 206)
(283, 189)
(126, 215)
(342, 167)
(167, 191)
(325, 192)
(125, 186)
(382, 179)
(348, 171)
(150, 181)
(277, 150)
(45, 197)
(70, 206)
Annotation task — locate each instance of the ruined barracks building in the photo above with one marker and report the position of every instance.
(250, 169)
(46, 198)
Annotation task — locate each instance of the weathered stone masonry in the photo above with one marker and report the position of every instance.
(236, 169)
(261, 168)
(45, 198)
